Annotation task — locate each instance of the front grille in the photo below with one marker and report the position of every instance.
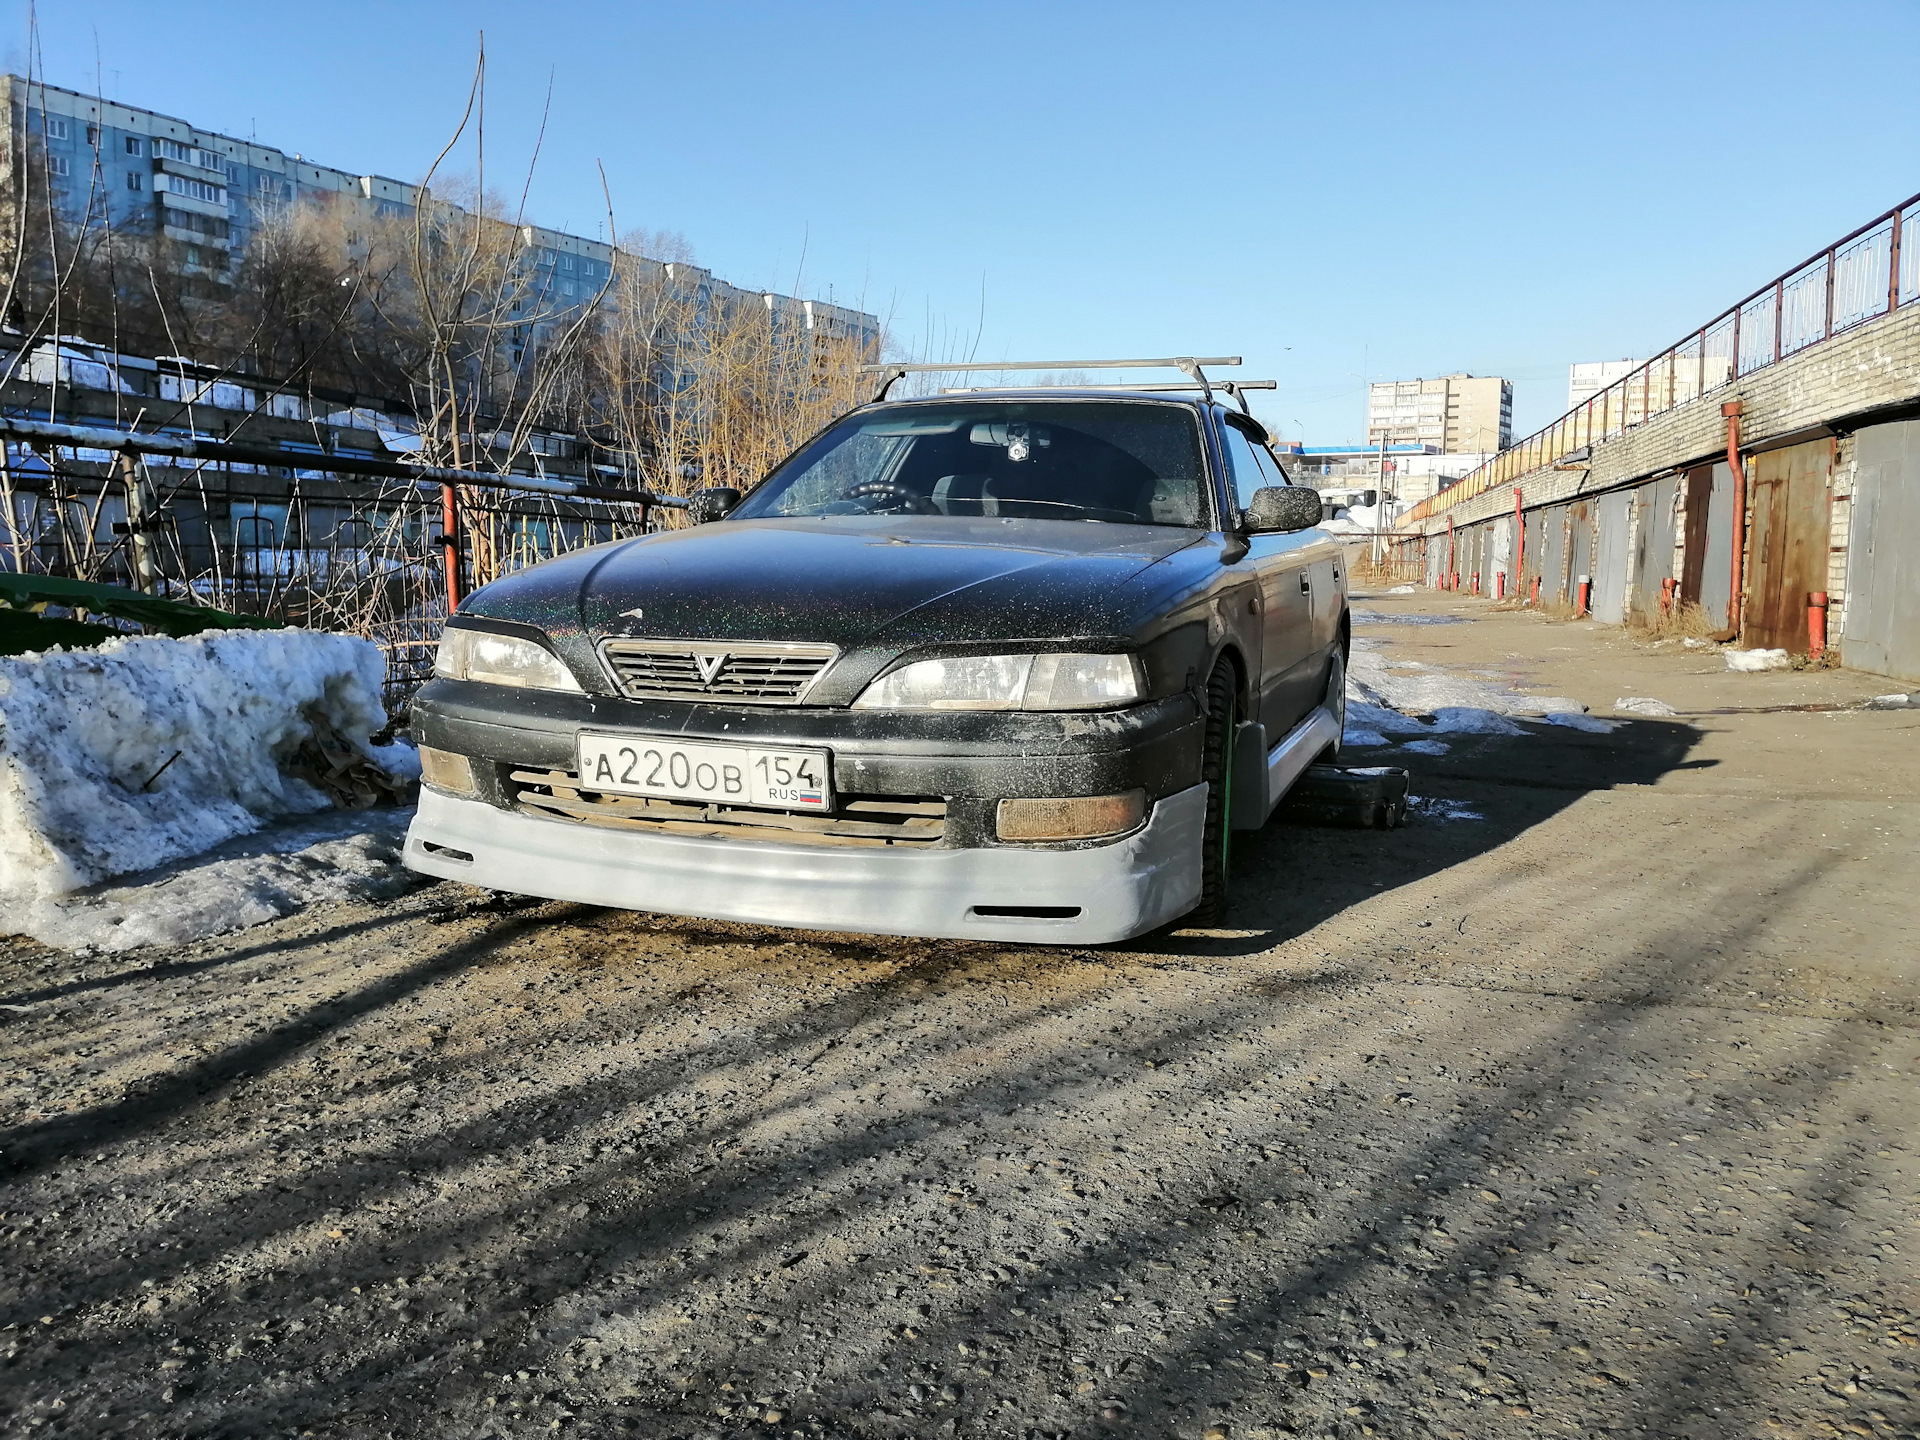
(749, 672)
(914, 821)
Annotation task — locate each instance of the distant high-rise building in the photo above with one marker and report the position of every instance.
(1588, 378)
(1455, 414)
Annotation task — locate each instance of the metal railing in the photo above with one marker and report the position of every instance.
(1865, 274)
(331, 541)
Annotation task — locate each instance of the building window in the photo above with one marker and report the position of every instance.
(133, 179)
(56, 126)
(135, 145)
(58, 164)
(93, 136)
(566, 262)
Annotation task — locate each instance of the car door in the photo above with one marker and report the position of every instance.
(1321, 556)
(1286, 592)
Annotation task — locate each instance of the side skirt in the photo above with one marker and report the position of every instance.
(1262, 777)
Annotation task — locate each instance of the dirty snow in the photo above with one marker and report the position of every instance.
(1755, 660)
(85, 734)
(1894, 702)
(1403, 590)
(1381, 617)
(1432, 807)
(1643, 705)
(344, 855)
(1411, 704)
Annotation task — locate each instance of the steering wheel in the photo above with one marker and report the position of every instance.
(910, 503)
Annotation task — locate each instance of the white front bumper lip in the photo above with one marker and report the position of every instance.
(1114, 892)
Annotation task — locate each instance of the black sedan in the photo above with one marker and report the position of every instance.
(1012, 665)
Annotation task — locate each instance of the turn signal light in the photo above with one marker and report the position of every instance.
(1086, 817)
(444, 770)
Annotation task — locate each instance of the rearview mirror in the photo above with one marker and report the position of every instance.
(1282, 509)
(716, 502)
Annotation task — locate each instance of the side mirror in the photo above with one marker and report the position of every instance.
(716, 502)
(1282, 509)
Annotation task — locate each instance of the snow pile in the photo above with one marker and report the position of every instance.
(1432, 807)
(146, 750)
(1403, 590)
(343, 856)
(1894, 702)
(1406, 703)
(1756, 660)
(1643, 705)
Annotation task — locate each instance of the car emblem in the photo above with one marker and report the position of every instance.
(708, 666)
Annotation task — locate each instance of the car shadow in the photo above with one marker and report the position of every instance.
(1484, 792)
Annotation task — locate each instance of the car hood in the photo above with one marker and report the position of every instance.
(896, 581)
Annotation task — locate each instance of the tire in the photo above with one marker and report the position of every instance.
(1335, 701)
(1216, 768)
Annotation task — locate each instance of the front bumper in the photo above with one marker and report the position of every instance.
(1095, 894)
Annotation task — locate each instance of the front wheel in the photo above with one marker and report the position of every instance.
(1216, 768)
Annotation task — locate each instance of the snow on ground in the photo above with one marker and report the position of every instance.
(1755, 660)
(1410, 704)
(1643, 705)
(343, 855)
(1380, 617)
(147, 750)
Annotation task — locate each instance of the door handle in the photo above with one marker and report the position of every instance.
(1306, 586)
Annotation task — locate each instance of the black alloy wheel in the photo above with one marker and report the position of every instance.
(1216, 768)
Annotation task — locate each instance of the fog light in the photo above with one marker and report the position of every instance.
(444, 770)
(1085, 817)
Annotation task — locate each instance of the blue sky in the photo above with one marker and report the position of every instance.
(1335, 191)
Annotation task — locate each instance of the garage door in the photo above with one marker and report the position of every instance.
(1882, 617)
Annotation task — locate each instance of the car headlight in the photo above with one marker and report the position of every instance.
(1008, 682)
(500, 660)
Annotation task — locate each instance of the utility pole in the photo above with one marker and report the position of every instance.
(1380, 505)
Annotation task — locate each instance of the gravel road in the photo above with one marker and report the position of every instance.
(1583, 1105)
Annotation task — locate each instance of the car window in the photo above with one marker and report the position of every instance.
(1243, 463)
(1121, 461)
(1270, 471)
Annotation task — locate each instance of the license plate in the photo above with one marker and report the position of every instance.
(762, 776)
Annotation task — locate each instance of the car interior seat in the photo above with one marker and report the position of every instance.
(963, 495)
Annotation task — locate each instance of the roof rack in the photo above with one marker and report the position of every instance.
(1188, 365)
(1235, 388)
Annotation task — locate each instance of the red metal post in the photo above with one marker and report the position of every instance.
(1731, 409)
(1817, 623)
(1893, 266)
(1826, 332)
(1581, 594)
(450, 541)
(1519, 541)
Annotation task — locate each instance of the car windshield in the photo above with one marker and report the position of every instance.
(1128, 462)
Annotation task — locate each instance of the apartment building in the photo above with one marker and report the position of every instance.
(137, 170)
(1454, 414)
(1588, 378)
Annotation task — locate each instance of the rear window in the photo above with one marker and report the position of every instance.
(1114, 461)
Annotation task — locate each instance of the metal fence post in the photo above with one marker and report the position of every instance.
(1893, 265)
(1826, 331)
(450, 542)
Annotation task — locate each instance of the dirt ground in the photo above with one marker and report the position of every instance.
(1592, 1115)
